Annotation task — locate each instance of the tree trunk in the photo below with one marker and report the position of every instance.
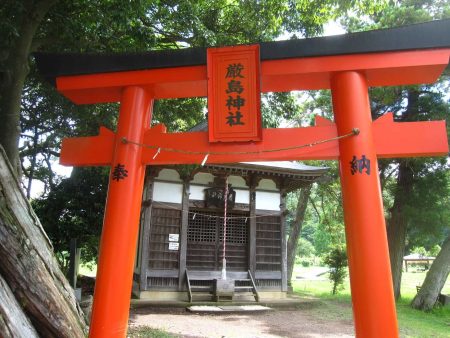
(16, 70)
(13, 322)
(296, 229)
(29, 267)
(434, 280)
(397, 224)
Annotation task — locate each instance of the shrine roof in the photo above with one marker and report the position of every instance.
(418, 257)
(280, 168)
(295, 175)
(428, 35)
(286, 166)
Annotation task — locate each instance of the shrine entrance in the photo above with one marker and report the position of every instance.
(347, 65)
(205, 241)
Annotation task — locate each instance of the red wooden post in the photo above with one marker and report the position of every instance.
(368, 255)
(120, 227)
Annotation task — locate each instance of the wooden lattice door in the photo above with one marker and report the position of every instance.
(205, 241)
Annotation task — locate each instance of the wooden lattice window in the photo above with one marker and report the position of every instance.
(164, 222)
(205, 226)
(202, 227)
(237, 230)
(205, 241)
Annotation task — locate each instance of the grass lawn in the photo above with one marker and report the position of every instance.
(412, 323)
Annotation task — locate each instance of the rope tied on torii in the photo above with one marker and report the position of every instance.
(159, 149)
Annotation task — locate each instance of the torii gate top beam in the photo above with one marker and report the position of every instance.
(411, 54)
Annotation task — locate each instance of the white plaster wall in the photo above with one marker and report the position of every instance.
(242, 196)
(268, 200)
(237, 182)
(266, 184)
(169, 175)
(203, 178)
(167, 192)
(197, 192)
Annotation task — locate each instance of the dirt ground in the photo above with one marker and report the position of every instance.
(275, 323)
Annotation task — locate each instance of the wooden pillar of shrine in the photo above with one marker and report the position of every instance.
(184, 234)
(252, 182)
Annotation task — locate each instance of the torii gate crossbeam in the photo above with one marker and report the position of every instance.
(348, 69)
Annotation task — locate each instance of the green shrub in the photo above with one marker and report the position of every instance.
(420, 250)
(336, 259)
(306, 261)
(434, 251)
(305, 248)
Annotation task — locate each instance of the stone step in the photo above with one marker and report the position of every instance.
(228, 308)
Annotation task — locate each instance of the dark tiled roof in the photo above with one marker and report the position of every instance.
(428, 35)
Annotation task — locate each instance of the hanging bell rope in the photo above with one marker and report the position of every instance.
(224, 260)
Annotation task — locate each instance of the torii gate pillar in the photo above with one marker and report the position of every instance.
(119, 235)
(367, 249)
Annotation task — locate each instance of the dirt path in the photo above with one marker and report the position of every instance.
(276, 323)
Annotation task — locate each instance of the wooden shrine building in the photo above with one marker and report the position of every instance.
(182, 226)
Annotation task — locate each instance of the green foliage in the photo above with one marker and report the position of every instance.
(74, 209)
(308, 232)
(400, 13)
(305, 248)
(307, 261)
(277, 108)
(420, 250)
(336, 259)
(434, 251)
(326, 212)
(323, 228)
(179, 114)
(305, 253)
(114, 25)
(46, 119)
(324, 224)
(428, 209)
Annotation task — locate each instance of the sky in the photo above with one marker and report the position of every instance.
(333, 28)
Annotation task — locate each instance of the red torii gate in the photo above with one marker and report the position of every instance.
(377, 58)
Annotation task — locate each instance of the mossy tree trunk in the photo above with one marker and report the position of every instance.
(29, 271)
